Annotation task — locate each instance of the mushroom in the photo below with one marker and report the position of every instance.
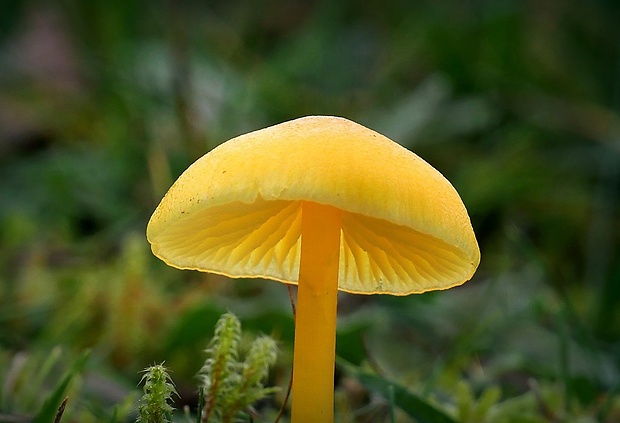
(324, 203)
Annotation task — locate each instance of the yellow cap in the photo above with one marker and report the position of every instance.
(237, 210)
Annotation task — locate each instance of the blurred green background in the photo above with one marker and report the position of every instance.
(103, 103)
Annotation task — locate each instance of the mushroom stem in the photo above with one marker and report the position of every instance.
(315, 321)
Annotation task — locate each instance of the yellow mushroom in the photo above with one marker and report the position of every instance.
(324, 203)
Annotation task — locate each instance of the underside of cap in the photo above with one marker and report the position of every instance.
(237, 210)
(263, 239)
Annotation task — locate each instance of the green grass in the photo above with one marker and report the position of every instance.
(103, 103)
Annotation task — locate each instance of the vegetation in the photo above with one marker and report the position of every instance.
(103, 103)
(232, 386)
(158, 389)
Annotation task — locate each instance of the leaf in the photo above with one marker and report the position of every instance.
(350, 342)
(189, 329)
(412, 404)
(48, 411)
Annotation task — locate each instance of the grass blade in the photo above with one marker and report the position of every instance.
(50, 408)
(412, 404)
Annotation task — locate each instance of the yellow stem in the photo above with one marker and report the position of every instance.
(315, 321)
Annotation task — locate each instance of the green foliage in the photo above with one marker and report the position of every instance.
(48, 387)
(54, 402)
(158, 390)
(475, 410)
(516, 103)
(230, 385)
(415, 406)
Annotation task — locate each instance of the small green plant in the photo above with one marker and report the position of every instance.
(230, 386)
(158, 389)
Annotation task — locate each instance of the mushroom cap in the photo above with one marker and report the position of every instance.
(236, 211)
